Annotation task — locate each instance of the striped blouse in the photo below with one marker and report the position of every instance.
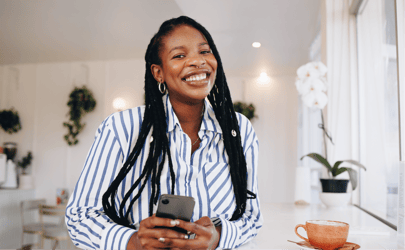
(203, 175)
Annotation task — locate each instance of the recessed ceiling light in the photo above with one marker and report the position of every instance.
(256, 45)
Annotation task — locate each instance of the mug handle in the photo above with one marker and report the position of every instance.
(296, 231)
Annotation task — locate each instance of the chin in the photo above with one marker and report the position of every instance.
(195, 97)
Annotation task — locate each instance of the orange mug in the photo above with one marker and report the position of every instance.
(325, 234)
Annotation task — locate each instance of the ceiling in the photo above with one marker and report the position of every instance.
(39, 31)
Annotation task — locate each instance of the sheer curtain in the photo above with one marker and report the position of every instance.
(400, 14)
(378, 108)
(340, 48)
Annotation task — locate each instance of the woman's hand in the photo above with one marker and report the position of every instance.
(150, 237)
(207, 236)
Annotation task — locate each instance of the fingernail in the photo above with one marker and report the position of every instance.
(161, 240)
(188, 232)
(186, 237)
(174, 222)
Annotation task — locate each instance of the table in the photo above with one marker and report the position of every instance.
(280, 220)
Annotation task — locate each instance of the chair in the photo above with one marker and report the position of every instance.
(57, 233)
(29, 206)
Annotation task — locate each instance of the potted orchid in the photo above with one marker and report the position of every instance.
(312, 86)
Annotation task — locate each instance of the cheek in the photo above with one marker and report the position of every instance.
(214, 66)
(174, 69)
(213, 62)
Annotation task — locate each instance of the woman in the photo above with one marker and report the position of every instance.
(178, 143)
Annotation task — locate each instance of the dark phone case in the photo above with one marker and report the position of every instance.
(175, 207)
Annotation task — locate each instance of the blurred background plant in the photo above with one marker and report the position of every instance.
(247, 110)
(10, 121)
(25, 162)
(81, 101)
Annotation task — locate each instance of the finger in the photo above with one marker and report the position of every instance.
(154, 221)
(151, 243)
(159, 243)
(194, 227)
(187, 244)
(163, 233)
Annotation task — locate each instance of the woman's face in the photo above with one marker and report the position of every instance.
(188, 66)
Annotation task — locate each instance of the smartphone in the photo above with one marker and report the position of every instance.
(175, 207)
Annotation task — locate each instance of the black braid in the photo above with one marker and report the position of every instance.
(155, 119)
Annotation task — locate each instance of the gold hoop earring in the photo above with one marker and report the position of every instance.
(162, 87)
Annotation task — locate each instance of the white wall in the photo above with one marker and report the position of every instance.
(43, 94)
(276, 127)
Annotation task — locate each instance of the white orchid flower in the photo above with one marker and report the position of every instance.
(315, 99)
(298, 84)
(320, 67)
(312, 84)
(308, 70)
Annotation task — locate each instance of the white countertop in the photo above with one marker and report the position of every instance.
(280, 221)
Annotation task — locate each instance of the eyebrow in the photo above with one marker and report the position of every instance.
(182, 47)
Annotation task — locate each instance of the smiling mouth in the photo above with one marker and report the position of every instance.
(198, 77)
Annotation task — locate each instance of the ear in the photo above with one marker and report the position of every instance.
(157, 72)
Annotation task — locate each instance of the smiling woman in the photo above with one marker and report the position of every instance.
(187, 140)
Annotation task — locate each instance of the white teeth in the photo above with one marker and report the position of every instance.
(196, 77)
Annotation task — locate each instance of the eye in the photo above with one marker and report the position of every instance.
(178, 56)
(205, 52)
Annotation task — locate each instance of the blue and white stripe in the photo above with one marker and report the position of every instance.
(203, 175)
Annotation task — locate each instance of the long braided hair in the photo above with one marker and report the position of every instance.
(155, 117)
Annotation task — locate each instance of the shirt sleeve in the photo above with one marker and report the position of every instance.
(89, 227)
(235, 233)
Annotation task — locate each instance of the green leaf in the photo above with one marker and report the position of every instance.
(353, 177)
(320, 159)
(356, 163)
(336, 167)
(339, 171)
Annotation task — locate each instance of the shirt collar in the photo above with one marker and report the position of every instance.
(209, 121)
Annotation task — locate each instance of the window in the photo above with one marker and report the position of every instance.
(378, 108)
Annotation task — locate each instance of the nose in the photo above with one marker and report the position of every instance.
(197, 61)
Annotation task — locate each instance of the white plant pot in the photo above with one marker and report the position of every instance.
(26, 181)
(335, 200)
(302, 185)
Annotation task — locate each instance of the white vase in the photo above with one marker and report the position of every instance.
(335, 200)
(26, 181)
(10, 175)
(302, 185)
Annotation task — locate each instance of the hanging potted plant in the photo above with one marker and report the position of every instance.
(311, 85)
(25, 181)
(81, 101)
(10, 121)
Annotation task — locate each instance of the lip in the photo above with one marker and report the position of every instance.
(197, 72)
